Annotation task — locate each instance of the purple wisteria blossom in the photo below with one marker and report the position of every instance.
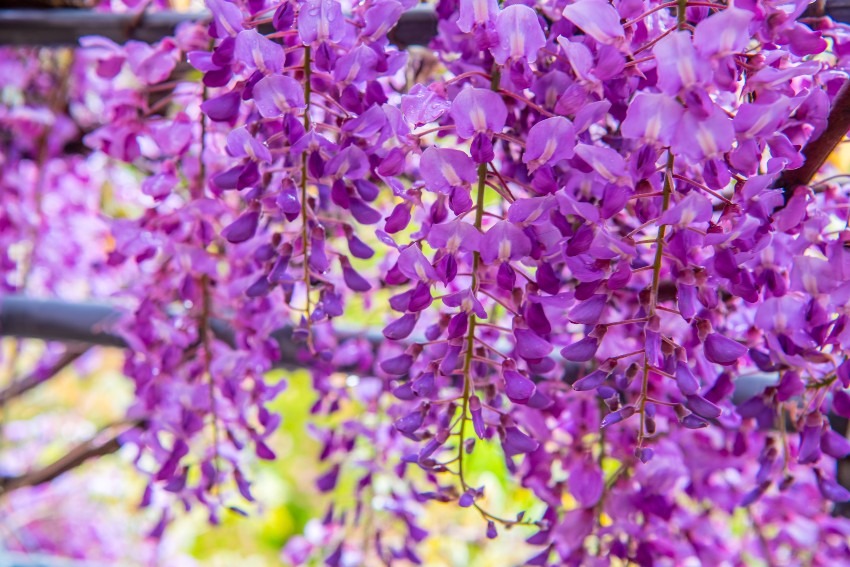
(581, 224)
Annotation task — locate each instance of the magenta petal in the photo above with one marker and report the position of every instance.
(259, 52)
(152, 64)
(520, 35)
(694, 208)
(278, 94)
(356, 65)
(591, 381)
(443, 169)
(686, 380)
(581, 351)
(413, 264)
(466, 500)
(518, 388)
(367, 124)
(454, 236)
(240, 143)
(678, 65)
(517, 442)
(535, 317)
(609, 164)
(400, 328)
(359, 249)
(586, 482)
(380, 18)
(424, 386)
(756, 119)
(589, 311)
(423, 105)
(834, 444)
(652, 117)
(830, 489)
(504, 241)
(481, 148)
(457, 326)
(530, 346)
(399, 218)
(692, 421)
(478, 110)
(724, 32)
(354, 280)
(410, 423)
(596, 18)
(477, 417)
(723, 350)
(242, 228)
(284, 17)
(687, 301)
(810, 440)
(702, 407)
(538, 400)
(474, 13)
(700, 139)
(618, 416)
(227, 18)
(841, 403)
(363, 213)
(327, 481)
(222, 108)
(405, 392)
(397, 366)
(790, 385)
(549, 141)
(547, 279)
(350, 163)
(264, 452)
(320, 21)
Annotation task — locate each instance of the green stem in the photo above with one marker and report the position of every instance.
(495, 79)
(470, 333)
(680, 12)
(304, 225)
(468, 386)
(653, 291)
(204, 331)
(308, 87)
(202, 168)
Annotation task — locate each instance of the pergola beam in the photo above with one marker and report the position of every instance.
(65, 26)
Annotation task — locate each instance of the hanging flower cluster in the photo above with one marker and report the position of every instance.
(573, 227)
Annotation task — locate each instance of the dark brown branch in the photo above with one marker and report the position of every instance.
(818, 150)
(104, 443)
(24, 385)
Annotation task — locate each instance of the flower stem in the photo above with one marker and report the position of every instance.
(470, 333)
(204, 331)
(304, 225)
(653, 292)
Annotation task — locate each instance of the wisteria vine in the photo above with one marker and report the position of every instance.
(571, 216)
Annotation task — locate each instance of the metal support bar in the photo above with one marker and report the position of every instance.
(93, 324)
(65, 26)
(52, 320)
(30, 559)
(90, 323)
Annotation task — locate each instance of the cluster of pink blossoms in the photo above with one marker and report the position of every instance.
(572, 213)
